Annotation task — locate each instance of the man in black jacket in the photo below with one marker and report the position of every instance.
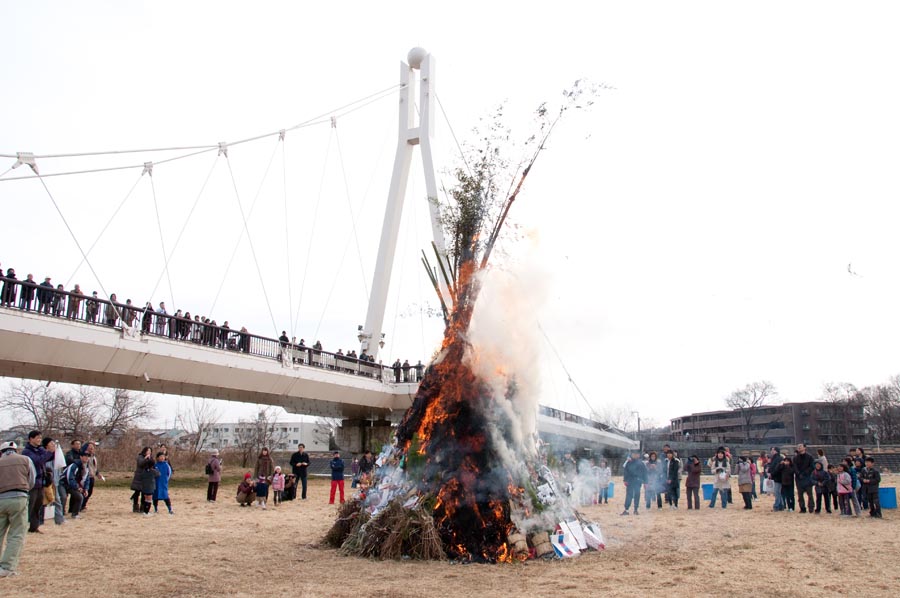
(775, 459)
(45, 296)
(673, 475)
(299, 466)
(803, 468)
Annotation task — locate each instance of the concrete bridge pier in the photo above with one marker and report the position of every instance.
(359, 435)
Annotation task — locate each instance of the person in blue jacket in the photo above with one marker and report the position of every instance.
(635, 476)
(161, 493)
(337, 476)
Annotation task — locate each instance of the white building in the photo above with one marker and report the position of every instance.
(285, 435)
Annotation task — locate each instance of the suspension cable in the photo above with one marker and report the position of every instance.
(287, 234)
(262, 283)
(312, 230)
(362, 269)
(162, 243)
(103, 230)
(184, 226)
(566, 370)
(240, 237)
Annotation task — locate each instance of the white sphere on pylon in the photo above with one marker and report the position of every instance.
(416, 56)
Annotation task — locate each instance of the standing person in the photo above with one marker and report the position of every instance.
(785, 474)
(775, 460)
(803, 468)
(821, 479)
(74, 451)
(861, 495)
(161, 489)
(161, 319)
(75, 299)
(337, 476)
(821, 458)
(144, 461)
(354, 472)
(854, 477)
(870, 478)
(277, 486)
(92, 308)
(831, 486)
(17, 477)
(45, 296)
(692, 482)
(110, 312)
(753, 471)
(762, 464)
(299, 466)
(8, 294)
(76, 484)
(635, 476)
(147, 480)
(604, 475)
(366, 464)
(26, 297)
(653, 487)
(745, 481)
(265, 467)
(396, 366)
(39, 458)
(51, 480)
(93, 471)
(721, 469)
(844, 489)
(57, 301)
(673, 476)
(213, 475)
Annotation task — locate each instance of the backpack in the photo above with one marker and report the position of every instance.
(209, 469)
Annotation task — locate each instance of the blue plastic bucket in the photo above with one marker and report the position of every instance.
(888, 498)
(609, 492)
(707, 491)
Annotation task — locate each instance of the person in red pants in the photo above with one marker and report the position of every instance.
(337, 476)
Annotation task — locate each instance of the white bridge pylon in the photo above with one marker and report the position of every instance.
(409, 135)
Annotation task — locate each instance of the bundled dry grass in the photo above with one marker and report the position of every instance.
(393, 533)
(347, 520)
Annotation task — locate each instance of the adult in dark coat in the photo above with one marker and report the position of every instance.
(775, 458)
(803, 470)
(39, 457)
(693, 469)
(26, 297)
(299, 465)
(45, 296)
(144, 461)
(635, 476)
(8, 294)
(673, 476)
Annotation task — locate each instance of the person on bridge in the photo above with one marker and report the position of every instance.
(161, 319)
(300, 465)
(396, 367)
(26, 297)
(75, 299)
(147, 318)
(17, 477)
(93, 307)
(8, 294)
(109, 313)
(57, 301)
(45, 296)
(406, 367)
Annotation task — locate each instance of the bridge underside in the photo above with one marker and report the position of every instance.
(42, 348)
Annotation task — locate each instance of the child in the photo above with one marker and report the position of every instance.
(604, 473)
(831, 486)
(785, 473)
(290, 488)
(277, 486)
(844, 488)
(262, 491)
(821, 478)
(870, 478)
(245, 491)
(161, 492)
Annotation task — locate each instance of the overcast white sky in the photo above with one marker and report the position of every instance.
(696, 227)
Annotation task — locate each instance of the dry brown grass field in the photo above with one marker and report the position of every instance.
(218, 550)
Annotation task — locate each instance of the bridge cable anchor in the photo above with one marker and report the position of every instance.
(223, 148)
(281, 135)
(334, 122)
(148, 169)
(26, 159)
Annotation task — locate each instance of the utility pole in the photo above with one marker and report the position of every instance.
(640, 441)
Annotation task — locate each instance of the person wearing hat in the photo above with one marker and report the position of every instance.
(213, 475)
(337, 476)
(17, 477)
(45, 296)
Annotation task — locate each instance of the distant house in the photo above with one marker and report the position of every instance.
(285, 435)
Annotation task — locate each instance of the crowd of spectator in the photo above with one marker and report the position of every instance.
(74, 304)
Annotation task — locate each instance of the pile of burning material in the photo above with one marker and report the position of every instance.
(464, 479)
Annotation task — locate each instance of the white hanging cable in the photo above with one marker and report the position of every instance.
(262, 282)
(362, 269)
(312, 230)
(184, 227)
(72, 234)
(102, 231)
(112, 152)
(201, 149)
(6, 171)
(287, 233)
(462, 155)
(148, 170)
(242, 231)
(566, 370)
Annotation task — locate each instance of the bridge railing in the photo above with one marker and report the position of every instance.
(58, 303)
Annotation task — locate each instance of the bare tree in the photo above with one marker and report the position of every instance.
(883, 410)
(617, 416)
(75, 412)
(198, 419)
(250, 436)
(845, 398)
(749, 400)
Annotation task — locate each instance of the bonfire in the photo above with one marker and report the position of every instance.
(465, 478)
